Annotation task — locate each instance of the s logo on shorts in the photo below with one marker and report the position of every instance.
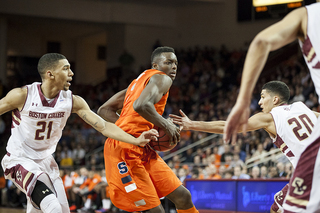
(122, 166)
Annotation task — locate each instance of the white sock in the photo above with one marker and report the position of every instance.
(50, 204)
(87, 203)
(106, 203)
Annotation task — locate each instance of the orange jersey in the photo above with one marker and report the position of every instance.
(130, 121)
(95, 180)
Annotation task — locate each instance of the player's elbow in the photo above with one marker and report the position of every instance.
(261, 41)
(139, 107)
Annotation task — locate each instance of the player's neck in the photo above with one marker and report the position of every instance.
(49, 91)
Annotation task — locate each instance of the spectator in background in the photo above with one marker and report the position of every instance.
(298, 95)
(75, 200)
(227, 152)
(237, 151)
(255, 173)
(244, 172)
(288, 169)
(212, 172)
(182, 174)
(222, 171)
(228, 175)
(197, 160)
(189, 156)
(273, 172)
(216, 154)
(263, 172)
(237, 173)
(237, 161)
(103, 196)
(281, 172)
(260, 152)
(66, 157)
(78, 155)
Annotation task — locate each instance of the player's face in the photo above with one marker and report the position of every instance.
(63, 74)
(167, 63)
(266, 101)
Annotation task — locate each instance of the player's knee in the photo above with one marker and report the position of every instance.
(44, 198)
(184, 197)
(39, 192)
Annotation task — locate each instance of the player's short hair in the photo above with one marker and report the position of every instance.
(49, 61)
(278, 88)
(157, 52)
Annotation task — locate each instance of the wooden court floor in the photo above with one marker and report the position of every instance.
(11, 210)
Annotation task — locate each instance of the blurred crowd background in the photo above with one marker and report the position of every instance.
(205, 88)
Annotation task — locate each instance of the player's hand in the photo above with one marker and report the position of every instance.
(173, 131)
(146, 137)
(183, 121)
(238, 116)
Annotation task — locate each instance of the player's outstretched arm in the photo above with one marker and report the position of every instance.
(109, 109)
(109, 129)
(257, 121)
(272, 38)
(15, 99)
(203, 126)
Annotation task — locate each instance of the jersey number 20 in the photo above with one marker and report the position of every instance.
(306, 122)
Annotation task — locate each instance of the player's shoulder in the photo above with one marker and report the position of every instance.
(78, 102)
(19, 93)
(161, 77)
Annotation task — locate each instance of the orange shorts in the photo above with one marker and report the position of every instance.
(137, 176)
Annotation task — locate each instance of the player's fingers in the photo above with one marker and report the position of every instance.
(174, 140)
(182, 113)
(226, 133)
(154, 138)
(154, 132)
(244, 129)
(174, 116)
(180, 127)
(234, 138)
(177, 122)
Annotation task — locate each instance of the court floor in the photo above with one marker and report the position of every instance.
(11, 210)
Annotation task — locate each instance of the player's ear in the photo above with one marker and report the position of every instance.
(154, 65)
(276, 100)
(49, 74)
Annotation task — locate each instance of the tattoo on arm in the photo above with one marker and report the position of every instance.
(84, 117)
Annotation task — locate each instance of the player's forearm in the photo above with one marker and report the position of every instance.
(113, 131)
(148, 112)
(211, 127)
(255, 60)
(108, 114)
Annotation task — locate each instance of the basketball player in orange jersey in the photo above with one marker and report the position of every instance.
(138, 176)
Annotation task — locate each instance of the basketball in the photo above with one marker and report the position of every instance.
(163, 143)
